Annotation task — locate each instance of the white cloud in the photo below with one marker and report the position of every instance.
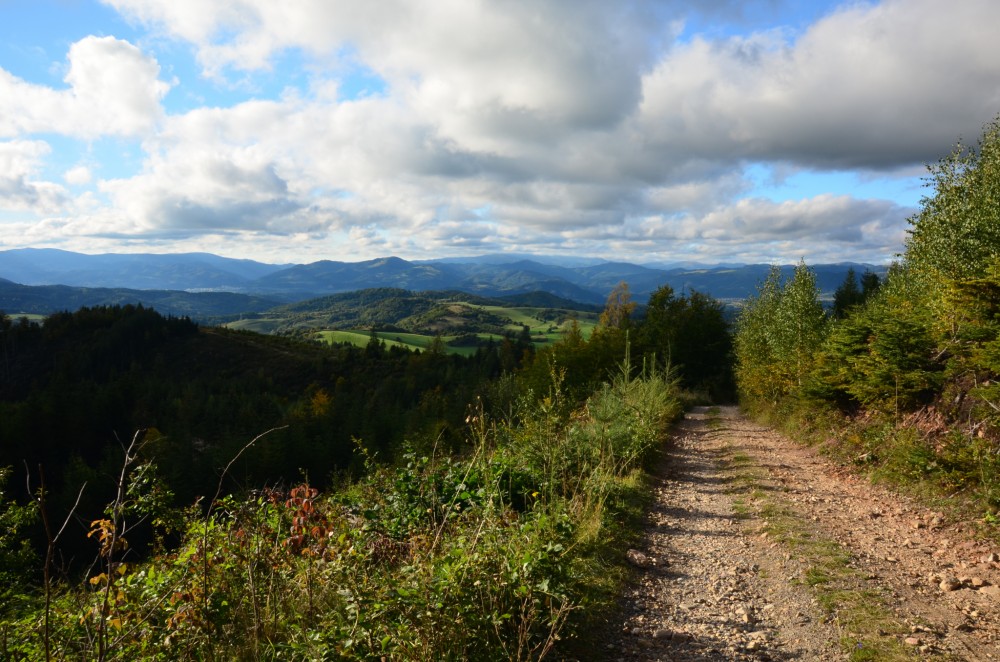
(835, 225)
(869, 86)
(113, 90)
(541, 124)
(77, 176)
(20, 161)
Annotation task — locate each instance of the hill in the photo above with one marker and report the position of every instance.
(463, 321)
(204, 307)
(582, 280)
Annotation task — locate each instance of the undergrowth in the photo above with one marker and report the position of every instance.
(494, 555)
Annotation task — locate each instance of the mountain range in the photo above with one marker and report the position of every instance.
(203, 284)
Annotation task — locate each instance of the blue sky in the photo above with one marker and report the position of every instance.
(648, 131)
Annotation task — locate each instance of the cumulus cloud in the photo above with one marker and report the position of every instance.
(846, 227)
(19, 189)
(113, 90)
(869, 86)
(77, 175)
(542, 124)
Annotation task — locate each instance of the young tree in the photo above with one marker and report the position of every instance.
(956, 234)
(847, 296)
(777, 335)
(691, 334)
(870, 284)
(618, 308)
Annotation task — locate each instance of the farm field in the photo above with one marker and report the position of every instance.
(414, 321)
(544, 326)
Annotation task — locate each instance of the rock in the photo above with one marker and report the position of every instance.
(662, 633)
(991, 558)
(912, 641)
(637, 558)
(977, 582)
(950, 584)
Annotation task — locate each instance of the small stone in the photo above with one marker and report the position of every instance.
(991, 558)
(636, 631)
(917, 524)
(950, 584)
(977, 582)
(912, 641)
(753, 645)
(662, 633)
(637, 558)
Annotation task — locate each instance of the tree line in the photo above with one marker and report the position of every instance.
(914, 361)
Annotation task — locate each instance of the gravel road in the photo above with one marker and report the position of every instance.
(760, 549)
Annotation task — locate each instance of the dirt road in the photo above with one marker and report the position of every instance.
(760, 549)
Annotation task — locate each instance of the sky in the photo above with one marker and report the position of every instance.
(658, 131)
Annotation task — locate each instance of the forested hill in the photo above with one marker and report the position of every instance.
(420, 505)
(71, 388)
(487, 276)
(203, 306)
(441, 313)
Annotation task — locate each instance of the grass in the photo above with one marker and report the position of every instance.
(392, 339)
(32, 317)
(869, 630)
(541, 333)
(491, 555)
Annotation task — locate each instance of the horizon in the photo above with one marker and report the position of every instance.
(548, 259)
(656, 132)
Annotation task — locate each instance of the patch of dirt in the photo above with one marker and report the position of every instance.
(713, 582)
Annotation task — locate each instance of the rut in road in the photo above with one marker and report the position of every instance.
(760, 549)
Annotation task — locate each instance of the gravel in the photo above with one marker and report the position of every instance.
(710, 583)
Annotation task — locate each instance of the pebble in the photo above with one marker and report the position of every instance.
(637, 558)
(728, 607)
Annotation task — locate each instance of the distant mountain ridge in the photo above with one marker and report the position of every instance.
(585, 280)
